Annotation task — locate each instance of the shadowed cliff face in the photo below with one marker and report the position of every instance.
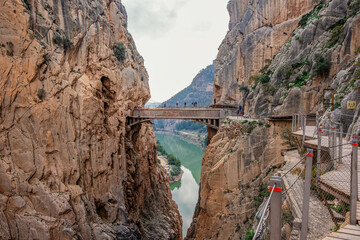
(257, 30)
(275, 49)
(64, 98)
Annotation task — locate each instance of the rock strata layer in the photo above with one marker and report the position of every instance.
(69, 75)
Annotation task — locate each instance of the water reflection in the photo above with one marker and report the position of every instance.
(189, 153)
(186, 197)
(185, 192)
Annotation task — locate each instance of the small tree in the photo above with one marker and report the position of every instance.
(322, 66)
(119, 51)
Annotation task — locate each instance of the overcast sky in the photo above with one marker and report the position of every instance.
(177, 38)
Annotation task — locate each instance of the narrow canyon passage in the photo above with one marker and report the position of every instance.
(184, 192)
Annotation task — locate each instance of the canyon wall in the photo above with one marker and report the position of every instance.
(273, 59)
(235, 168)
(69, 75)
(257, 30)
(278, 58)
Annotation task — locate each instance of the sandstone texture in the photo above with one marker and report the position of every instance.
(235, 169)
(69, 168)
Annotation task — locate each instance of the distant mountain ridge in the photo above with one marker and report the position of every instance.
(200, 89)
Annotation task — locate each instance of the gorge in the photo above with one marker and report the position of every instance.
(70, 76)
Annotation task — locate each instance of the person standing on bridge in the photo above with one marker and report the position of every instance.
(195, 104)
(184, 104)
(177, 104)
(214, 100)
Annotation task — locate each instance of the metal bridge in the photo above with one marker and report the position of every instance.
(210, 117)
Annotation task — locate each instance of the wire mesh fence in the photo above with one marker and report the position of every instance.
(319, 192)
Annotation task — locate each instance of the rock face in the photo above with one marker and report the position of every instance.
(257, 30)
(235, 168)
(69, 75)
(286, 60)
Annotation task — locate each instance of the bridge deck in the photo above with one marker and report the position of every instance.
(177, 113)
(207, 116)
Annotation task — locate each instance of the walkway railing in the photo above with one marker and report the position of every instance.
(321, 189)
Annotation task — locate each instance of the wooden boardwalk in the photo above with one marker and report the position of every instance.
(349, 232)
(337, 181)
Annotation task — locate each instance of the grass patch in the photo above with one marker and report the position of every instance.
(249, 234)
(313, 14)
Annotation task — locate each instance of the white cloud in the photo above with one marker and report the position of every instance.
(153, 17)
(177, 38)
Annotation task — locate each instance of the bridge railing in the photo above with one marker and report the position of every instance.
(182, 105)
(316, 197)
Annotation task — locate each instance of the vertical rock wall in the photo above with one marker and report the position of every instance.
(235, 167)
(64, 98)
(257, 30)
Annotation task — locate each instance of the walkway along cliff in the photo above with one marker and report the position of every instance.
(278, 58)
(70, 74)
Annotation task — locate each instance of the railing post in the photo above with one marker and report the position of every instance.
(275, 208)
(340, 143)
(317, 121)
(318, 160)
(304, 129)
(306, 199)
(329, 135)
(354, 180)
(292, 124)
(295, 122)
(299, 118)
(334, 142)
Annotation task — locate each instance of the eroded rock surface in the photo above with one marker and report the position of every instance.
(65, 93)
(235, 168)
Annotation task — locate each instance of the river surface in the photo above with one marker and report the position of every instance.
(184, 192)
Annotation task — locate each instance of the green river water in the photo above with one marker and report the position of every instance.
(185, 192)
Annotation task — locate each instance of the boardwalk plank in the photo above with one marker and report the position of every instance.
(344, 236)
(352, 227)
(349, 231)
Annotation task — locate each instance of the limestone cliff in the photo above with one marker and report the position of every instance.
(257, 30)
(69, 75)
(235, 168)
(277, 59)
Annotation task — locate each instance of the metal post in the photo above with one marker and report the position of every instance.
(340, 143)
(295, 122)
(354, 180)
(299, 118)
(317, 121)
(330, 146)
(318, 158)
(334, 142)
(275, 208)
(304, 129)
(306, 200)
(292, 124)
